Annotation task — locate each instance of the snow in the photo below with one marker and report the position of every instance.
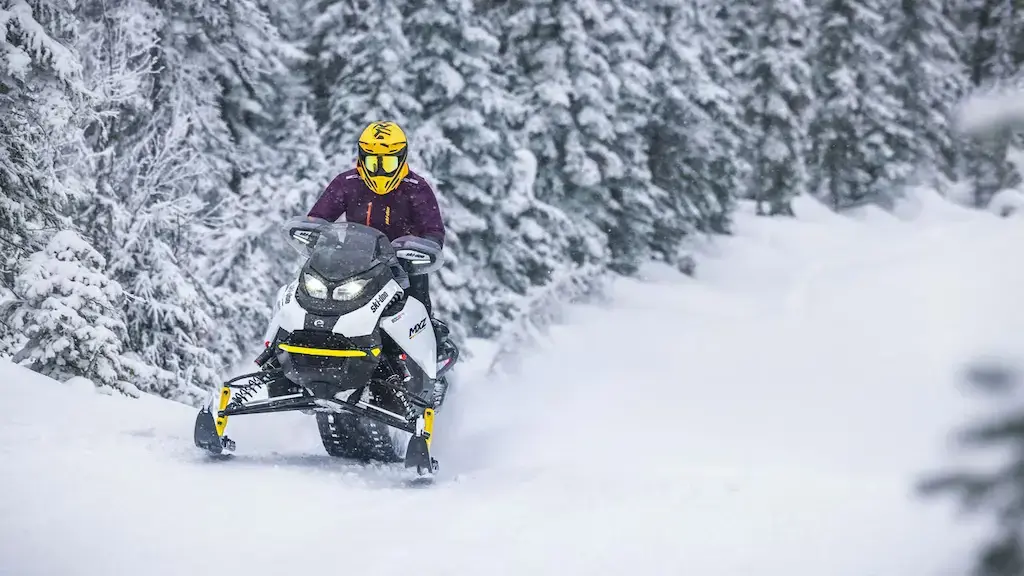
(992, 110)
(769, 416)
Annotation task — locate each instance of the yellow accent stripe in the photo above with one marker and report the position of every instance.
(222, 421)
(428, 424)
(387, 215)
(376, 351)
(321, 351)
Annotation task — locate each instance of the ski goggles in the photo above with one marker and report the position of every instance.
(382, 164)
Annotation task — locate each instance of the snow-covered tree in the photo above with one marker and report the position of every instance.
(991, 48)
(776, 98)
(276, 162)
(637, 203)
(695, 136)
(578, 67)
(923, 40)
(359, 70)
(40, 91)
(154, 171)
(461, 137)
(71, 315)
(855, 124)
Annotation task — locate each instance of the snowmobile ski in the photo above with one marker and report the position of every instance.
(417, 455)
(209, 429)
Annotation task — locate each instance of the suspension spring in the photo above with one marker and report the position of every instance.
(410, 411)
(245, 393)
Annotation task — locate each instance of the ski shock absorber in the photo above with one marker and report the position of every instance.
(410, 411)
(245, 393)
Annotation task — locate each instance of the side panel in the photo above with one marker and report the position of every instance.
(287, 312)
(362, 321)
(411, 330)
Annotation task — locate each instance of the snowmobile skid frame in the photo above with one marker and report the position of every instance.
(210, 427)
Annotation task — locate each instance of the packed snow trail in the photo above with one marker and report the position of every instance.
(769, 417)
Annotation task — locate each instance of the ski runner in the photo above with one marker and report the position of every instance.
(383, 193)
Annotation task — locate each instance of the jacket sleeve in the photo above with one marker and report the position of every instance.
(426, 214)
(331, 204)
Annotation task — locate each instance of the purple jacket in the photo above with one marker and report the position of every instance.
(410, 209)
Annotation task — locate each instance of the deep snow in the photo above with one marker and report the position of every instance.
(769, 417)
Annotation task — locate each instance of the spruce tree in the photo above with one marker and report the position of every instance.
(40, 94)
(776, 95)
(359, 70)
(71, 315)
(856, 125)
(923, 40)
(695, 136)
(462, 138)
(276, 162)
(992, 29)
(583, 122)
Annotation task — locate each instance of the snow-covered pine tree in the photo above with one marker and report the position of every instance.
(932, 79)
(40, 92)
(736, 45)
(991, 49)
(695, 136)
(276, 162)
(638, 204)
(72, 315)
(855, 121)
(562, 57)
(462, 139)
(776, 97)
(359, 71)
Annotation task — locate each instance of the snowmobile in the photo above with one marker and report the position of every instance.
(348, 345)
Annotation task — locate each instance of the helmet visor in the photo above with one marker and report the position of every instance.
(381, 164)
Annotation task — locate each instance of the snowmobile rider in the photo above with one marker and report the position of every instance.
(383, 193)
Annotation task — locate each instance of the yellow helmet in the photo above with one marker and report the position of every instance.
(383, 151)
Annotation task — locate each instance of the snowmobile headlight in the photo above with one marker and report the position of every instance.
(314, 286)
(350, 289)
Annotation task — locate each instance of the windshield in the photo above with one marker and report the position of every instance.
(338, 250)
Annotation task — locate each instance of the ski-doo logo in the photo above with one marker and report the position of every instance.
(303, 236)
(412, 255)
(381, 298)
(318, 323)
(417, 328)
